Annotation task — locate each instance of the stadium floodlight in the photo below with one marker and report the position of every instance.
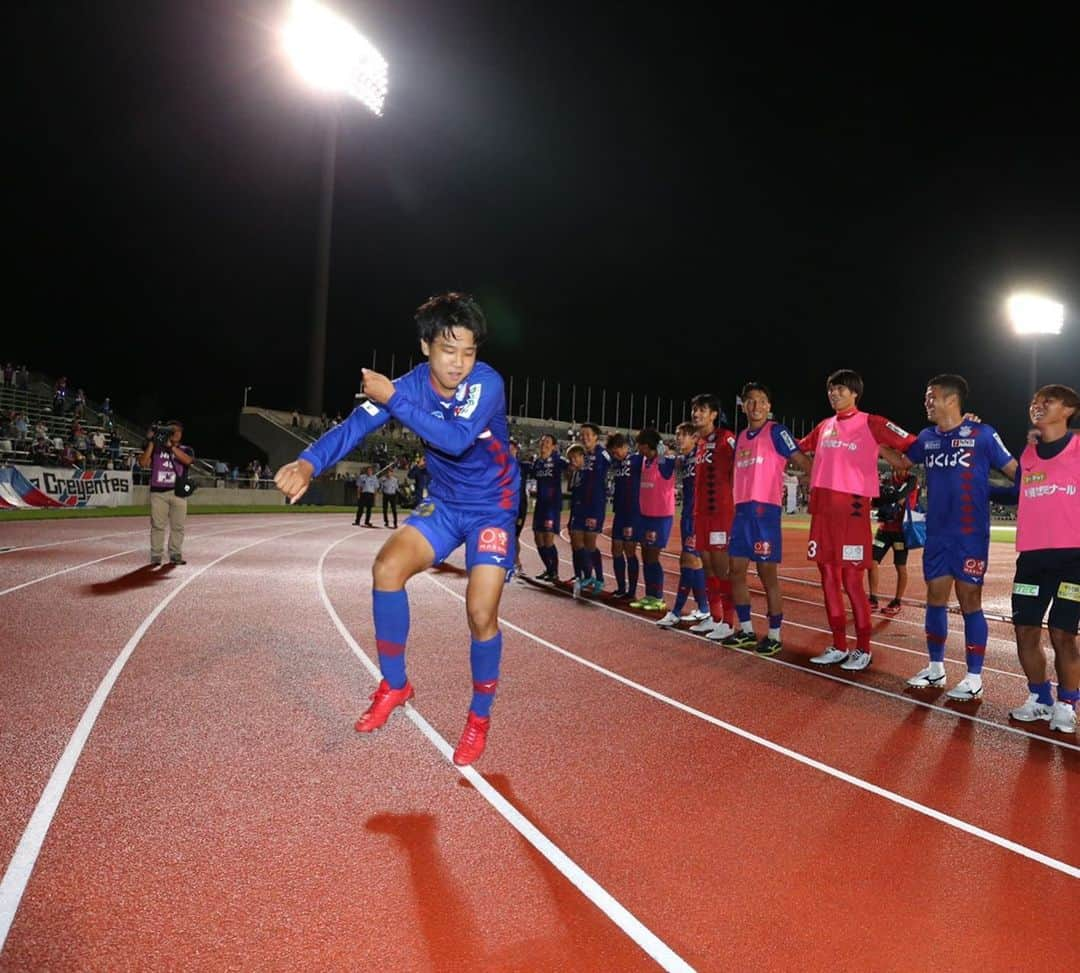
(1032, 314)
(332, 55)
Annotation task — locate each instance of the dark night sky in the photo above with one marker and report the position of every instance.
(643, 198)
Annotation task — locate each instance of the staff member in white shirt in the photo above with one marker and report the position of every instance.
(389, 487)
(366, 485)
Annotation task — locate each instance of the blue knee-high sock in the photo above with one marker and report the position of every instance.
(597, 561)
(633, 566)
(619, 561)
(484, 657)
(975, 635)
(550, 557)
(937, 630)
(686, 582)
(579, 563)
(654, 583)
(701, 594)
(391, 631)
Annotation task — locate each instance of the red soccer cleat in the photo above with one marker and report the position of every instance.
(383, 702)
(473, 739)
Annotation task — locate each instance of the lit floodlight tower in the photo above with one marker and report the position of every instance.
(333, 56)
(1033, 315)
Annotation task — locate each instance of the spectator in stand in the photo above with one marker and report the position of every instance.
(21, 427)
(266, 476)
(9, 374)
(41, 428)
(80, 404)
(114, 448)
(295, 419)
(420, 476)
(22, 378)
(78, 438)
(234, 474)
(388, 486)
(60, 392)
(42, 452)
(70, 456)
(97, 445)
(106, 413)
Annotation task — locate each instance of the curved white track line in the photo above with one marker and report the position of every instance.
(588, 886)
(1037, 856)
(26, 854)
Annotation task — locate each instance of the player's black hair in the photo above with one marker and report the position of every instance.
(548, 435)
(615, 440)
(442, 314)
(951, 384)
(847, 378)
(712, 402)
(648, 437)
(755, 387)
(593, 426)
(1068, 397)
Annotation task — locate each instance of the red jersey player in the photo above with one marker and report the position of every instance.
(714, 509)
(843, 480)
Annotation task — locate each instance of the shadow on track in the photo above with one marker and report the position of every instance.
(141, 577)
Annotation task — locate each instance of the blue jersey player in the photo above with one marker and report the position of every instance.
(548, 469)
(587, 515)
(626, 481)
(457, 405)
(958, 454)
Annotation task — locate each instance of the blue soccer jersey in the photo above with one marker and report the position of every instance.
(548, 474)
(958, 463)
(593, 480)
(465, 437)
(626, 474)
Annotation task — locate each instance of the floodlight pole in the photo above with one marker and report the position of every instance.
(317, 360)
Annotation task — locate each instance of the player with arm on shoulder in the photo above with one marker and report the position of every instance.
(624, 524)
(587, 524)
(457, 405)
(691, 572)
(548, 469)
(762, 451)
(575, 488)
(958, 454)
(843, 481)
(1048, 565)
(714, 509)
(656, 505)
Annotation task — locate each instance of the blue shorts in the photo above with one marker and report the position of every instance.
(547, 520)
(955, 556)
(689, 541)
(654, 531)
(590, 521)
(624, 527)
(756, 532)
(488, 535)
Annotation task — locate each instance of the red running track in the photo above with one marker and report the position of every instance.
(681, 803)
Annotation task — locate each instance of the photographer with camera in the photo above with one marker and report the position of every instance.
(168, 462)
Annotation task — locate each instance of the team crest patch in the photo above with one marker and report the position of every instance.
(493, 540)
(1069, 591)
(718, 537)
(974, 566)
(472, 400)
(852, 552)
(425, 509)
(1030, 590)
(764, 548)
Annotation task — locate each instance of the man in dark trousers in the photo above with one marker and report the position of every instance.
(388, 486)
(366, 485)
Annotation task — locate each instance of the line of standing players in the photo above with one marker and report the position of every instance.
(731, 516)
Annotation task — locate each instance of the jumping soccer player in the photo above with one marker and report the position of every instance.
(843, 480)
(899, 491)
(626, 473)
(691, 572)
(587, 523)
(714, 508)
(457, 405)
(958, 454)
(1048, 568)
(762, 452)
(656, 501)
(548, 469)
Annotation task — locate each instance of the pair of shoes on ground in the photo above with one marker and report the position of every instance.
(385, 700)
(854, 661)
(712, 629)
(546, 576)
(670, 620)
(586, 586)
(1061, 716)
(933, 677)
(156, 561)
(650, 604)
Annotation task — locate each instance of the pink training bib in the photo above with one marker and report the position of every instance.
(657, 493)
(1049, 512)
(759, 468)
(846, 456)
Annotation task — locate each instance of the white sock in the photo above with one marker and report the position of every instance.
(774, 633)
(974, 680)
(937, 668)
(747, 627)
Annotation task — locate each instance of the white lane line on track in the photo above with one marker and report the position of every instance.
(824, 674)
(947, 819)
(132, 550)
(647, 940)
(70, 540)
(26, 853)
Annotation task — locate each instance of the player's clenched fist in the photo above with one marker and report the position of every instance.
(293, 479)
(377, 386)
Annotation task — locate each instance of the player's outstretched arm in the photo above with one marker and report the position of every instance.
(293, 479)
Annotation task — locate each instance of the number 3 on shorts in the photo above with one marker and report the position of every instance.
(811, 550)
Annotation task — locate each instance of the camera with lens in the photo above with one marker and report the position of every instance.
(161, 433)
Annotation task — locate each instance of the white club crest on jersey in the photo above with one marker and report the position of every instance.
(469, 396)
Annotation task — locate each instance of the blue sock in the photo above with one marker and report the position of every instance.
(633, 566)
(652, 583)
(597, 560)
(484, 658)
(686, 582)
(1070, 696)
(391, 609)
(975, 636)
(619, 561)
(1042, 690)
(551, 559)
(937, 630)
(701, 593)
(743, 611)
(579, 563)
(775, 621)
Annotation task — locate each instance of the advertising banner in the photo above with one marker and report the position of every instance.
(46, 486)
